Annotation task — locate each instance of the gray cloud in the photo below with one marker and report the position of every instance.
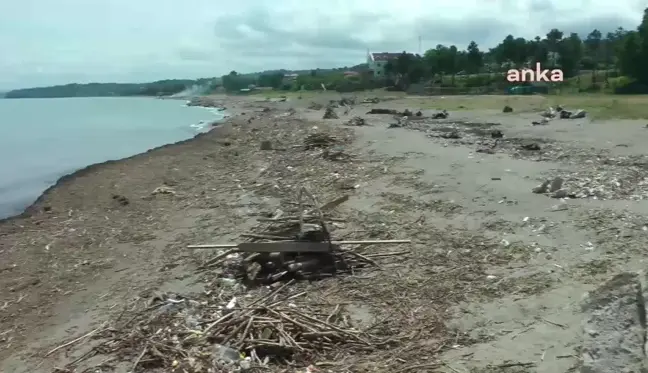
(45, 42)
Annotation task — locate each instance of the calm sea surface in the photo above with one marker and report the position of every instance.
(44, 139)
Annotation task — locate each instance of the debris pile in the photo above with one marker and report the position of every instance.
(206, 101)
(384, 111)
(507, 109)
(330, 113)
(401, 121)
(300, 247)
(405, 113)
(356, 121)
(371, 100)
(319, 140)
(441, 115)
(233, 328)
(559, 112)
(616, 183)
(488, 149)
(205, 332)
(552, 186)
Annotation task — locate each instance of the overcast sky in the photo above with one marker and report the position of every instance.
(45, 42)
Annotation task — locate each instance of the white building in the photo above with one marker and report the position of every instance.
(377, 62)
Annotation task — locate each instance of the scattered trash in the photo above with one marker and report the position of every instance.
(163, 190)
(554, 187)
(560, 112)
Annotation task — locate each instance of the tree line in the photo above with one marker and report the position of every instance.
(615, 53)
(618, 52)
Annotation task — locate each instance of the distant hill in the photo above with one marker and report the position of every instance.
(158, 88)
(167, 87)
(360, 67)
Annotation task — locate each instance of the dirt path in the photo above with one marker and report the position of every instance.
(495, 275)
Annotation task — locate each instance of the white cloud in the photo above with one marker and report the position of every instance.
(52, 42)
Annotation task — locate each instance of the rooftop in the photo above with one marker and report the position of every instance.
(384, 56)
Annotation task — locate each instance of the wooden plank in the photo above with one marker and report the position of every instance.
(285, 247)
(359, 242)
(332, 204)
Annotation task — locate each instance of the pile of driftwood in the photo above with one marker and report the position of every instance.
(226, 328)
(319, 140)
(297, 247)
(206, 333)
(330, 113)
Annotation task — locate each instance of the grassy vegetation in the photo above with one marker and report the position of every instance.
(599, 103)
(598, 106)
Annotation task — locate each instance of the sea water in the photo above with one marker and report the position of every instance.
(44, 139)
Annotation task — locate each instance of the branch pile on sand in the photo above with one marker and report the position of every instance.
(330, 113)
(223, 329)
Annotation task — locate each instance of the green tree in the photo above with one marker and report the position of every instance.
(474, 58)
(593, 49)
(570, 52)
(274, 80)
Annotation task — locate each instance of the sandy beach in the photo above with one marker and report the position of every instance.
(492, 280)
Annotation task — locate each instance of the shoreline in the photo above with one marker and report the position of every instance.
(32, 208)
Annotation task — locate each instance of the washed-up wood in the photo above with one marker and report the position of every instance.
(331, 205)
(285, 247)
(359, 242)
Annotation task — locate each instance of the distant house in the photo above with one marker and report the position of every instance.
(289, 78)
(377, 62)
